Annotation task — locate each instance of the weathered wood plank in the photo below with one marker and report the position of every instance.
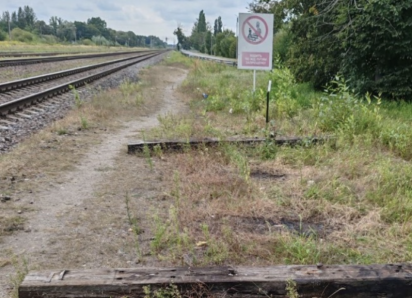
(312, 281)
(179, 145)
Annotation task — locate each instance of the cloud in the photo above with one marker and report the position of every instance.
(143, 17)
(108, 7)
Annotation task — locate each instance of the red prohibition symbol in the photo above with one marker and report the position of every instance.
(252, 30)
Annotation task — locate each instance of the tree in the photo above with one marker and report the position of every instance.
(183, 41)
(81, 30)
(21, 18)
(14, 18)
(100, 25)
(41, 28)
(218, 26)
(5, 22)
(98, 22)
(66, 31)
(209, 40)
(226, 44)
(201, 23)
(315, 53)
(199, 32)
(282, 10)
(376, 37)
(54, 23)
(369, 41)
(30, 17)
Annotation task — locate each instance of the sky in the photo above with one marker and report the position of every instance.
(143, 17)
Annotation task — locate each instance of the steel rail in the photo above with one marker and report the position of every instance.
(17, 84)
(15, 62)
(20, 54)
(63, 88)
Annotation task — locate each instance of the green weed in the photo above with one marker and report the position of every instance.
(133, 222)
(291, 289)
(83, 122)
(147, 154)
(77, 100)
(160, 238)
(171, 291)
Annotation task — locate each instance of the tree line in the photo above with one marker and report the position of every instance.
(207, 39)
(369, 42)
(23, 25)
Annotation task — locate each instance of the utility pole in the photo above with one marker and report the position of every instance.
(9, 27)
(211, 44)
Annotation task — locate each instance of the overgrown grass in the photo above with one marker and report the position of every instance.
(47, 46)
(348, 200)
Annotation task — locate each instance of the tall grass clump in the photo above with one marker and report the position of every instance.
(340, 111)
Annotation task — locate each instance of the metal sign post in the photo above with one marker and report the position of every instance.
(254, 81)
(267, 102)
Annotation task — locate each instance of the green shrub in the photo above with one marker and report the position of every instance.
(282, 85)
(21, 35)
(87, 42)
(49, 39)
(281, 44)
(342, 111)
(3, 35)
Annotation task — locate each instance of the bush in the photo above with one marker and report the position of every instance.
(49, 39)
(281, 43)
(87, 42)
(3, 35)
(342, 111)
(101, 41)
(21, 35)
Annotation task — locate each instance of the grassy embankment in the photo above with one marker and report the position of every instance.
(38, 47)
(346, 201)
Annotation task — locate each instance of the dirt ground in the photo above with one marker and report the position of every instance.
(79, 219)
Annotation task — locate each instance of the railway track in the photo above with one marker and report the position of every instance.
(19, 94)
(26, 61)
(21, 54)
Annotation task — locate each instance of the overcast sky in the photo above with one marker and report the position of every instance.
(143, 17)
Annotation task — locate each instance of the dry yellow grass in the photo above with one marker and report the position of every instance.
(301, 205)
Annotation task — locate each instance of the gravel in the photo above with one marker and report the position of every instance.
(17, 127)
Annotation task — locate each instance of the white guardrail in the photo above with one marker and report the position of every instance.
(231, 62)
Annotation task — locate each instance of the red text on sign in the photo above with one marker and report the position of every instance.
(250, 59)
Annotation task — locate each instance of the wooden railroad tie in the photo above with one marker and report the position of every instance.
(179, 145)
(321, 281)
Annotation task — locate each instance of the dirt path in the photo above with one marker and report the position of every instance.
(62, 211)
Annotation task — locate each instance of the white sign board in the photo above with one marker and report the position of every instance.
(255, 41)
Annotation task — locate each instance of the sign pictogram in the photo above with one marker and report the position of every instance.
(255, 30)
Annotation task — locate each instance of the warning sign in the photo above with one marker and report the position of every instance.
(255, 30)
(255, 41)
